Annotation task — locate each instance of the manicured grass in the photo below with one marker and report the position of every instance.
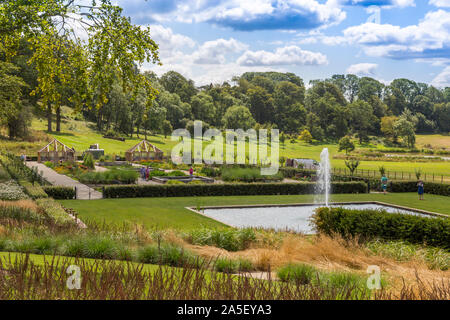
(171, 212)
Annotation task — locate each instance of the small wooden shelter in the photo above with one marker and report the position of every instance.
(56, 151)
(144, 150)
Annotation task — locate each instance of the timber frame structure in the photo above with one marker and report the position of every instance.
(56, 151)
(144, 150)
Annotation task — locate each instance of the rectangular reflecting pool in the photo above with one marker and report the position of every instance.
(287, 217)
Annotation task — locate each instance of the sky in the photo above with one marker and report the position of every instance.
(212, 41)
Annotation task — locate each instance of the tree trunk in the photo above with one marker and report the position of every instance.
(49, 117)
(99, 120)
(58, 119)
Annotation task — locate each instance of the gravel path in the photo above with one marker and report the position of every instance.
(56, 179)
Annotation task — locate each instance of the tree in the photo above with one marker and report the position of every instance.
(261, 104)
(175, 83)
(11, 101)
(362, 119)
(238, 117)
(282, 138)
(346, 144)
(441, 115)
(306, 136)
(166, 128)
(352, 165)
(203, 107)
(405, 129)
(89, 67)
(387, 128)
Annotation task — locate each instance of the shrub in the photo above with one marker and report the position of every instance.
(228, 239)
(247, 175)
(88, 161)
(33, 191)
(381, 224)
(60, 193)
(298, 273)
(226, 265)
(54, 211)
(190, 190)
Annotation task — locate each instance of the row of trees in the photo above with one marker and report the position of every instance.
(329, 109)
(68, 52)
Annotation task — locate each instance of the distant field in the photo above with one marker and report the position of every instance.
(435, 140)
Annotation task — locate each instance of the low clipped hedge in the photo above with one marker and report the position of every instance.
(429, 187)
(369, 224)
(238, 189)
(60, 193)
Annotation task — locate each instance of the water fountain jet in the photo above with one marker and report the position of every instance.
(324, 175)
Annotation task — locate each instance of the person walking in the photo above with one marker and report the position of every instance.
(191, 172)
(142, 173)
(420, 189)
(384, 181)
(147, 173)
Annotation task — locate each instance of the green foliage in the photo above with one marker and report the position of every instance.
(352, 165)
(88, 161)
(226, 265)
(113, 176)
(429, 187)
(247, 175)
(228, 239)
(305, 136)
(381, 224)
(226, 189)
(346, 144)
(54, 211)
(298, 273)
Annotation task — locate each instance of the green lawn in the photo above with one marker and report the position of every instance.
(171, 212)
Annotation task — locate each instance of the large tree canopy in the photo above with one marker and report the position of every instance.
(84, 45)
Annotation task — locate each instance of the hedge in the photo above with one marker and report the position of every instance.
(238, 189)
(429, 187)
(368, 224)
(60, 193)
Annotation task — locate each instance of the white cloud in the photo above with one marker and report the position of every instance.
(213, 52)
(290, 55)
(168, 41)
(440, 3)
(362, 69)
(442, 80)
(245, 15)
(427, 40)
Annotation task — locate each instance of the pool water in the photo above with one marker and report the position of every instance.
(293, 218)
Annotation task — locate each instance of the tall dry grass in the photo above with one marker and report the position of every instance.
(331, 254)
(23, 204)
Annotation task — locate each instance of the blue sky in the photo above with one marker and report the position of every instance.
(211, 41)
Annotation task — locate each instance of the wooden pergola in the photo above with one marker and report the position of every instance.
(144, 150)
(56, 151)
